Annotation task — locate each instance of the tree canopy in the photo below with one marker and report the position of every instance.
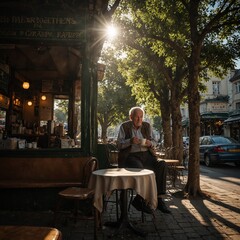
(114, 96)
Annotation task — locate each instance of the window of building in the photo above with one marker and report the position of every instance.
(216, 88)
(237, 87)
(238, 105)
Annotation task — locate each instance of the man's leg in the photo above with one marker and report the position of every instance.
(160, 170)
(135, 161)
(161, 176)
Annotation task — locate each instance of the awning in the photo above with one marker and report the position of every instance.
(214, 116)
(232, 119)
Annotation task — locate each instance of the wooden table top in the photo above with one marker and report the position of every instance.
(171, 161)
(29, 233)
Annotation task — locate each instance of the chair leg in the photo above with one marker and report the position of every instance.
(142, 213)
(75, 213)
(95, 225)
(57, 210)
(131, 199)
(117, 203)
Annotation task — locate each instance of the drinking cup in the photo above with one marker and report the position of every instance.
(143, 141)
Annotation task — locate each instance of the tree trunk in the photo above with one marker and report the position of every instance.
(177, 151)
(166, 120)
(104, 132)
(193, 183)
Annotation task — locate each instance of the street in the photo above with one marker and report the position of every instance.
(224, 176)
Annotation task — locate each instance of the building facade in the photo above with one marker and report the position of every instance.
(232, 124)
(219, 107)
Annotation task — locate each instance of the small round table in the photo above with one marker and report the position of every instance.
(143, 181)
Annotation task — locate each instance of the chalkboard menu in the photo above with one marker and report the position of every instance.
(4, 78)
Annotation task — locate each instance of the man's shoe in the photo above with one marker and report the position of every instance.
(140, 205)
(162, 207)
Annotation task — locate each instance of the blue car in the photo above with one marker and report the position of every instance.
(219, 149)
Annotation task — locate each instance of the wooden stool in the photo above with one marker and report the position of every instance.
(29, 233)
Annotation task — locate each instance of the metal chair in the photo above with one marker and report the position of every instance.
(175, 171)
(112, 159)
(80, 194)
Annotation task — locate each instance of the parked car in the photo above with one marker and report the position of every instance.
(185, 140)
(219, 149)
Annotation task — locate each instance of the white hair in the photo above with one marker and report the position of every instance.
(133, 109)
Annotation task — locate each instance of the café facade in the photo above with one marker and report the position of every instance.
(49, 52)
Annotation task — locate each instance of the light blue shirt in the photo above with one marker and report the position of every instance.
(124, 143)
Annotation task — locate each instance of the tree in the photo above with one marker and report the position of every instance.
(114, 97)
(162, 72)
(188, 38)
(61, 110)
(208, 28)
(143, 78)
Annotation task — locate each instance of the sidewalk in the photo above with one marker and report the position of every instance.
(217, 218)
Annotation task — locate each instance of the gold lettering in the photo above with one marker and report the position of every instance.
(44, 20)
(40, 34)
(69, 35)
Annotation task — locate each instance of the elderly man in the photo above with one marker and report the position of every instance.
(133, 153)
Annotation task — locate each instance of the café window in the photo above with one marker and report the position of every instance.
(67, 119)
(2, 120)
(60, 114)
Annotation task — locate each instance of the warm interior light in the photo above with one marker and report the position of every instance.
(43, 97)
(29, 103)
(26, 85)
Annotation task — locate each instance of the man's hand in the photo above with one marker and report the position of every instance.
(135, 140)
(148, 143)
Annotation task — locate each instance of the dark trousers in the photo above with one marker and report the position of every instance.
(148, 161)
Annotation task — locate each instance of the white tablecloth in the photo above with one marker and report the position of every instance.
(104, 181)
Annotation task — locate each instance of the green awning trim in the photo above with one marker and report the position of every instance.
(233, 119)
(214, 116)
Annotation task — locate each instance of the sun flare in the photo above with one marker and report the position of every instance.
(111, 31)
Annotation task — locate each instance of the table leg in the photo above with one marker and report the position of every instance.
(173, 174)
(124, 221)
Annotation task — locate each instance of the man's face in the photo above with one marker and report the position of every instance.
(137, 118)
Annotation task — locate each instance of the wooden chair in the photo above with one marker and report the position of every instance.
(180, 172)
(175, 171)
(80, 194)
